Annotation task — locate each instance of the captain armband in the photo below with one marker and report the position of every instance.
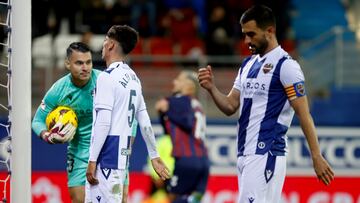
(295, 90)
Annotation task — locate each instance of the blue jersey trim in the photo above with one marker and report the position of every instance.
(109, 154)
(270, 167)
(109, 70)
(279, 143)
(243, 124)
(243, 64)
(270, 130)
(255, 68)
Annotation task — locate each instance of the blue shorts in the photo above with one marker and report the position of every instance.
(190, 175)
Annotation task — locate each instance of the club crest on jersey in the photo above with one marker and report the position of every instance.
(42, 105)
(267, 67)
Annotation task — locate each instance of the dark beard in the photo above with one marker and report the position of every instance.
(260, 49)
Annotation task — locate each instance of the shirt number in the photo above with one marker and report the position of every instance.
(131, 108)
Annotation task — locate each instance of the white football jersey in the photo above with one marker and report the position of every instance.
(266, 85)
(119, 90)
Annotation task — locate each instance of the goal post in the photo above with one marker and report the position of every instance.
(20, 101)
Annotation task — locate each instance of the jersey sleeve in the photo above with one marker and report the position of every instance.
(101, 129)
(141, 103)
(48, 103)
(147, 133)
(292, 78)
(143, 121)
(237, 79)
(104, 94)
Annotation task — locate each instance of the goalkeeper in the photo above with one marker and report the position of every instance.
(74, 90)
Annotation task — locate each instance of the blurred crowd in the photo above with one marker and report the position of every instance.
(214, 22)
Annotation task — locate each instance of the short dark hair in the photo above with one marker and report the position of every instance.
(77, 46)
(263, 16)
(125, 35)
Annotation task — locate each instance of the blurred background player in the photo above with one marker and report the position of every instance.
(269, 89)
(118, 102)
(184, 120)
(75, 91)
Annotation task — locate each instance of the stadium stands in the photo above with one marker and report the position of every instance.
(341, 108)
(316, 17)
(323, 62)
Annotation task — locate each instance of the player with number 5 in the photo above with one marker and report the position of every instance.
(118, 102)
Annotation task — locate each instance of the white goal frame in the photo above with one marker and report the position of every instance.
(20, 101)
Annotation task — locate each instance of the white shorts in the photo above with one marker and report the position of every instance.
(261, 178)
(110, 187)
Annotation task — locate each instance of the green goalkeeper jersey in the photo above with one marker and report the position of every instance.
(65, 93)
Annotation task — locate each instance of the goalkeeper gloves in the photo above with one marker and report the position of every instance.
(56, 136)
(67, 132)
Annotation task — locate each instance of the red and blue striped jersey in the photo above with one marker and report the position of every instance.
(185, 122)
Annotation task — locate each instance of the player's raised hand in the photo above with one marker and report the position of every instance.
(90, 173)
(323, 170)
(162, 105)
(205, 77)
(160, 168)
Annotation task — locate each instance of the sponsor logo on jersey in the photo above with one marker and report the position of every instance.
(83, 112)
(125, 152)
(251, 88)
(255, 85)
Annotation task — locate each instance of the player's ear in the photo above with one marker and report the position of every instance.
(271, 30)
(67, 64)
(111, 45)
